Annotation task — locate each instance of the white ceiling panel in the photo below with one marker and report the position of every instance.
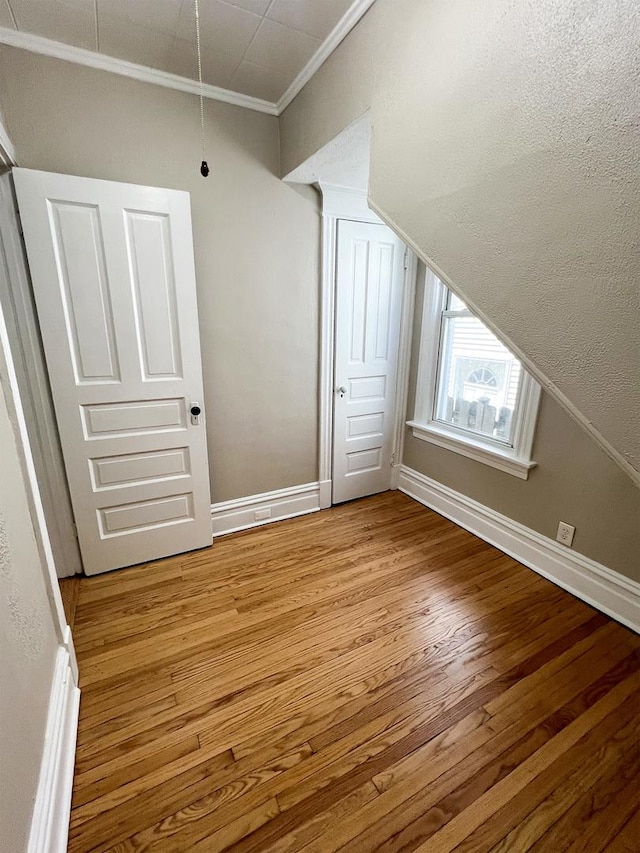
(259, 82)
(222, 27)
(6, 19)
(254, 47)
(159, 15)
(133, 42)
(314, 18)
(281, 49)
(258, 7)
(217, 67)
(68, 21)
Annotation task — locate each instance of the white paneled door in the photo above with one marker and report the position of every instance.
(369, 281)
(114, 283)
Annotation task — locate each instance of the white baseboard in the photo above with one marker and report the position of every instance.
(608, 591)
(50, 822)
(67, 638)
(255, 510)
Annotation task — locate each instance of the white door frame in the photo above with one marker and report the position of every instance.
(16, 412)
(7, 151)
(29, 360)
(24, 334)
(340, 203)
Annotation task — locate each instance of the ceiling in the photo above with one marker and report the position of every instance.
(254, 47)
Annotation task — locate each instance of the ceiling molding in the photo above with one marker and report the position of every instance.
(340, 31)
(92, 59)
(70, 53)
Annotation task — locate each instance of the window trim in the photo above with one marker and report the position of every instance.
(516, 459)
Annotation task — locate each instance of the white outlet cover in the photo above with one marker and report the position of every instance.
(565, 533)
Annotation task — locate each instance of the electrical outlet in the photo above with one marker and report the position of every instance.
(565, 533)
(262, 514)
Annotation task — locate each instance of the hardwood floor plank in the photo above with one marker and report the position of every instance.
(208, 816)
(70, 592)
(548, 766)
(451, 762)
(94, 828)
(330, 794)
(627, 839)
(370, 677)
(211, 720)
(199, 774)
(611, 814)
(568, 704)
(563, 816)
(118, 778)
(90, 733)
(324, 822)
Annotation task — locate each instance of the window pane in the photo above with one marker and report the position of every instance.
(478, 380)
(455, 304)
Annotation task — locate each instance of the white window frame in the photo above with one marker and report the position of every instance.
(514, 458)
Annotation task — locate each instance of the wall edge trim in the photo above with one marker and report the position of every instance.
(102, 62)
(239, 514)
(335, 37)
(146, 74)
(52, 809)
(594, 583)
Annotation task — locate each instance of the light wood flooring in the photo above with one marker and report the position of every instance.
(370, 677)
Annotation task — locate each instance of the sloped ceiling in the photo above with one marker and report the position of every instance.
(519, 178)
(505, 146)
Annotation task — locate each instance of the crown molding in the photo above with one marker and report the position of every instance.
(81, 56)
(340, 31)
(92, 59)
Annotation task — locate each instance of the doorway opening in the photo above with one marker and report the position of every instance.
(367, 303)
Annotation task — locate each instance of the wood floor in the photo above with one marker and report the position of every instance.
(370, 677)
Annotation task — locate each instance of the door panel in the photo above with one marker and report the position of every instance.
(82, 279)
(155, 300)
(114, 283)
(369, 279)
(112, 471)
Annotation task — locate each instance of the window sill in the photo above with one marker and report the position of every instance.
(504, 460)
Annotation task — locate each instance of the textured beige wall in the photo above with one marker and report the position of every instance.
(28, 646)
(505, 145)
(256, 246)
(574, 481)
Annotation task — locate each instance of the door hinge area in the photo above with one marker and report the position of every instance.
(393, 460)
(406, 258)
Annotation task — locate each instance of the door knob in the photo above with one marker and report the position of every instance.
(195, 411)
(341, 390)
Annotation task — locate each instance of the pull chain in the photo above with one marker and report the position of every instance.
(204, 167)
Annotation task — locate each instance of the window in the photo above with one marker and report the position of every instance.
(473, 396)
